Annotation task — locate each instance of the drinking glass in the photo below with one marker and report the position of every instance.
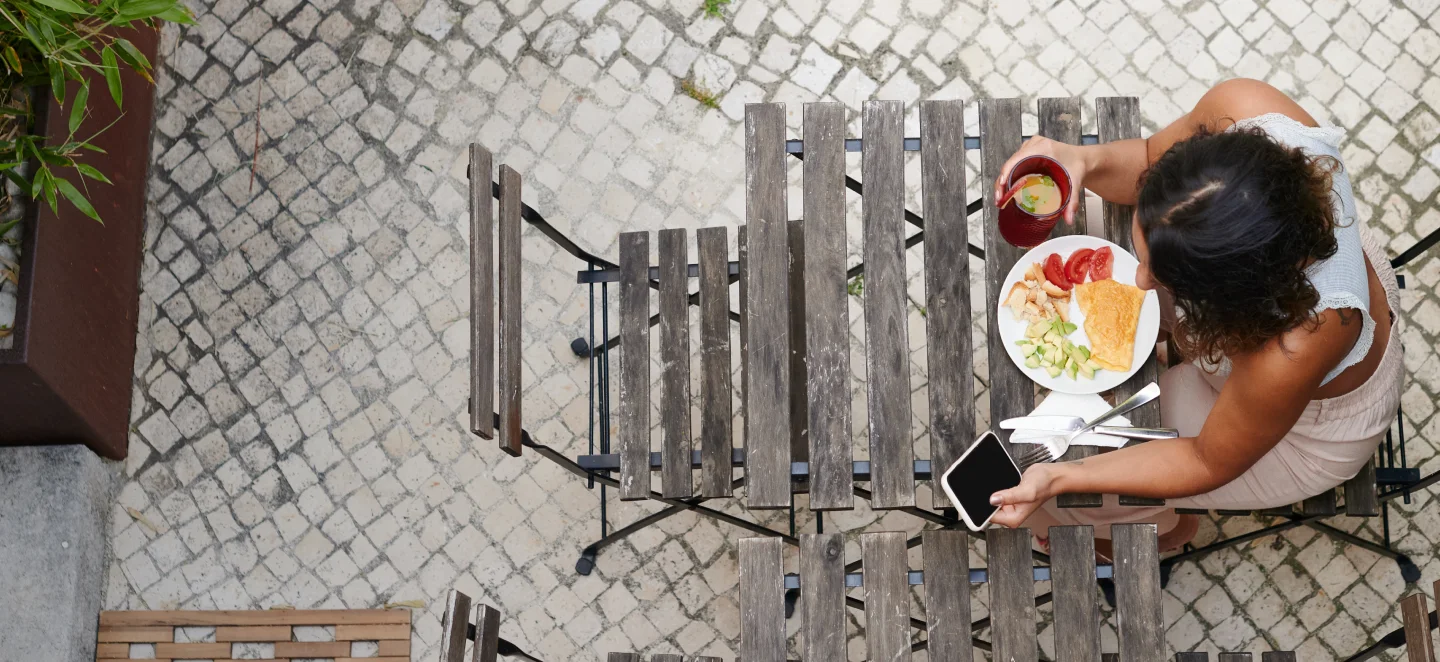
(1022, 228)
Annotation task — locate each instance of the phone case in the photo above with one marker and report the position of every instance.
(945, 482)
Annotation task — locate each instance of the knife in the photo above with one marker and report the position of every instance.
(1067, 424)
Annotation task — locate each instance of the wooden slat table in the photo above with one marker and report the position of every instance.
(947, 579)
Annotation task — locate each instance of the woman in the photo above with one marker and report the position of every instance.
(1245, 217)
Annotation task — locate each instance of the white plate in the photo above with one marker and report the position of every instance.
(1123, 271)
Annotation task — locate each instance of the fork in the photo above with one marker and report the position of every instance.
(1042, 453)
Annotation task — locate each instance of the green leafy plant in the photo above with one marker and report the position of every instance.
(694, 91)
(44, 46)
(715, 8)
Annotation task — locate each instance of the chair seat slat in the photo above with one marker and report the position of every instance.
(716, 434)
(1072, 576)
(887, 595)
(633, 413)
(1139, 621)
(822, 598)
(1012, 589)
(676, 478)
(947, 596)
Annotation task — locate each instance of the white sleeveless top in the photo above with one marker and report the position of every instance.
(1341, 280)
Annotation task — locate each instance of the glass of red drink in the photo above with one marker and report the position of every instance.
(1026, 229)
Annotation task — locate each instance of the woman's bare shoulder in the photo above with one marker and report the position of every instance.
(1311, 350)
(1243, 98)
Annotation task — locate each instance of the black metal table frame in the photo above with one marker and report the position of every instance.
(597, 467)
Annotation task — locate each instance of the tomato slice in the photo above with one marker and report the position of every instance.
(1078, 265)
(1055, 272)
(1101, 263)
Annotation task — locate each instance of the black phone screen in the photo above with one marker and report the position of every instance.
(985, 470)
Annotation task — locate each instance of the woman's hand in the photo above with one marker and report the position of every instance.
(1017, 503)
(1068, 155)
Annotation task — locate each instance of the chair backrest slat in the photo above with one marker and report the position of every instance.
(487, 634)
(1011, 392)
(454, 626)
(634, 407)
(948, 325)
(677, 479)
(1012, 590)
(1416, 616)
(1072, 576)
(667, 657)
(767, 310)
(827, 329)
(1236, 657)
(822, 595)
(762, 592)
(1060, 120)
(1200, 656)
(622, 657)
(947, 595)
(887, 349)
(1139, 619)
(1277, 656)
(508, 246)
(716, 438)
(482, 294)
(1360, 497)
(887, 595)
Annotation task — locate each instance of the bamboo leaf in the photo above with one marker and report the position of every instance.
(77, 107)
(90, 171)
(112, 74)
(177, 14)
(13, 59)
(57, 80)
(76, 198)
(132, 55)
(141, 9)
(65, 5)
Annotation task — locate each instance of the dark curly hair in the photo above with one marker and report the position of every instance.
(1232, 219)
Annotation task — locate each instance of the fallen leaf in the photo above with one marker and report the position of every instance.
(142, 519)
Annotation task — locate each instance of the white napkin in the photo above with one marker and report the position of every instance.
(1087, 406)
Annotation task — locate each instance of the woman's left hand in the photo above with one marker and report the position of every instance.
(1036, 487)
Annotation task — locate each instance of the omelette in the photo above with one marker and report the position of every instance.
(1112, 311)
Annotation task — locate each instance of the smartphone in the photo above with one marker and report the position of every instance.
(984, 469)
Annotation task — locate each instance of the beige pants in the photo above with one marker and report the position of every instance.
(1328, 445)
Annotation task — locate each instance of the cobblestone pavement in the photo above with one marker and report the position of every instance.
(299, 413)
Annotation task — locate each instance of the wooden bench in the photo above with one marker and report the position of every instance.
(387, 630)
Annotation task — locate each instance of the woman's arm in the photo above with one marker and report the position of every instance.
(1112, 170)
(1265, 395)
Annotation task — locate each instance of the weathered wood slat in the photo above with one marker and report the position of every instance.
(947, 582)
(744, 259)
(1360, 497)
(134, 619)
(487, 634)
(1118, 118)
(1320, 504)
(667, 657)
(112, 651)
(1415, 614)
(676, 478)
(1011, 392)
(633, 412)
(373, 632)
(799, 371)
(822, 595)
(622, 657)
(482, 295)
(827, 330)
(1060, 120)
(1277, 656)
(716, 435)
(273, 632)
(395, 647)
(306, 649)
(887, 351)
(1235, 657)
(762, 592)
(949, 347)
(508, 243)
(135, 634)
(1072, 576)
(767, 290)
(1139, 621)
(1192, 657)
(1110, 657)
(196, 651)
(887, 593)
(1012, 590)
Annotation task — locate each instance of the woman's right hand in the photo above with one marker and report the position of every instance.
(1068, 155)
